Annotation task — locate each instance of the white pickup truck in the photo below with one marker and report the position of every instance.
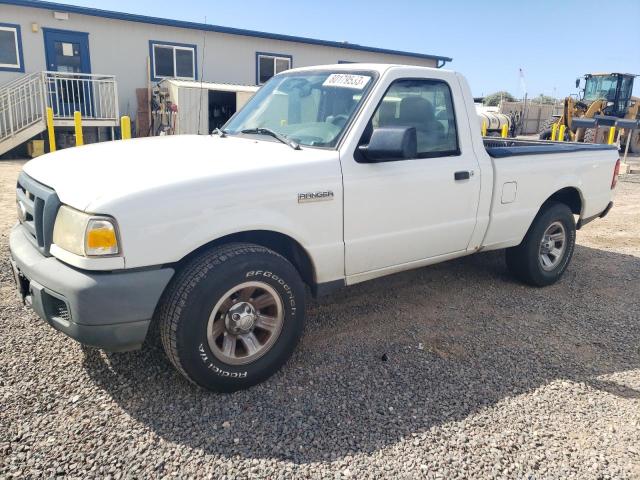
(329, 176)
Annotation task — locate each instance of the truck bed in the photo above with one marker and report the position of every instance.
(509, 147)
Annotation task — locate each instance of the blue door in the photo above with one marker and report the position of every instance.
(67, 52)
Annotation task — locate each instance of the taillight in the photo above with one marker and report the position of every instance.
(616, 172)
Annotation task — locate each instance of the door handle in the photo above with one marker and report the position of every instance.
(464, 175)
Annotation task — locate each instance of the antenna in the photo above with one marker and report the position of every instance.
(204, 48)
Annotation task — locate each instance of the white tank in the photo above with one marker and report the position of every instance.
(494, 120)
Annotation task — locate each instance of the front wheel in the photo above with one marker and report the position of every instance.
(232, 316)
(546, 135)
(547, 248)
(545, 129)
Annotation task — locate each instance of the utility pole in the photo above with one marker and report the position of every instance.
(525, 112)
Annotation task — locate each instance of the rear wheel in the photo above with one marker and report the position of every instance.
(547, 248)
(232, 317)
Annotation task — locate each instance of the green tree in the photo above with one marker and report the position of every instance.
(546, 99)
(493, 100)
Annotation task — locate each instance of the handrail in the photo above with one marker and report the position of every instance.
(52, 73)
(23, 101)
(93, 95)
(11, 83)
(21, 105)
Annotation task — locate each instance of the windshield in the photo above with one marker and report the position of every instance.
(310, 108)
(601, 87)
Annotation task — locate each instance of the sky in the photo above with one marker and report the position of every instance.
(553, 42)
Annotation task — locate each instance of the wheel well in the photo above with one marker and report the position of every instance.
(278, 242)
(570, 196)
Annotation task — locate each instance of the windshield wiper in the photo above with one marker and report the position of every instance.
(220, 132)
(276, 135)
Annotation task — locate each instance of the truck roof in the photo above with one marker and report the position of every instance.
(376, 67)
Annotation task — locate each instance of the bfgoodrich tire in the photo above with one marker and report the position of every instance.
(232, 316)
(547, 248)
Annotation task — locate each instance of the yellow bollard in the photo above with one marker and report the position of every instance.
(77, 120)
(561, 133)
(484, 128)
(50, 131)
(554, 132)
(612, 135)
(504, 130)
(125, 127)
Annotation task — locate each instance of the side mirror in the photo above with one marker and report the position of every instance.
(577, 83)
(390, 143)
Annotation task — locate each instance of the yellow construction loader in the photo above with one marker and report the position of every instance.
(603, 95)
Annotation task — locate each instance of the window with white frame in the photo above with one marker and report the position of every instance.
(173, 61)
(269, 65)
(10, 48)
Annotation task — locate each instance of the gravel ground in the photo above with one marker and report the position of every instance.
(452, 371)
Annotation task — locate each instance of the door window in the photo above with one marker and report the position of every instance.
(425, 105)
(625, 94)
(67, 57)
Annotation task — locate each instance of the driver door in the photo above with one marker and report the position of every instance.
(400, 212)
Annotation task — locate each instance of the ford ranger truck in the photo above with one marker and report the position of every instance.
(329, 176)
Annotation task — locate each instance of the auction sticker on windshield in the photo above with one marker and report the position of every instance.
(346, 80)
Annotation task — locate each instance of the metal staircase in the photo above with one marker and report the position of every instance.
(23, 104)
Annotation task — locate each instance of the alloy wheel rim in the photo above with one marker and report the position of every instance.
(245, 323)
(552, 246)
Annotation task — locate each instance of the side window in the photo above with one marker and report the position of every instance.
(268, 65)
(10, 48)
(172, 60)
(425, 105)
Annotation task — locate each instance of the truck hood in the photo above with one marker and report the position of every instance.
(94, 175)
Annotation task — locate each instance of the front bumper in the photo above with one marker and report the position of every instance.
(108, 310)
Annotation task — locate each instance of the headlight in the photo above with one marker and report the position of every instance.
(84, 234)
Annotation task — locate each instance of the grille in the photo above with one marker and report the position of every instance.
(40, 205)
